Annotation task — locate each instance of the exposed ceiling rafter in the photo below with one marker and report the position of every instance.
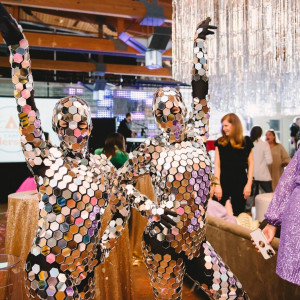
(117, 8)
(82, 44)
(70, 66)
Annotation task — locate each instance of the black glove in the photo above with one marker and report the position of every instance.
(204, 25)
(164, 219)
(9, 28)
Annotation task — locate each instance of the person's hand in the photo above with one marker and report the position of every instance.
(284, 164)
(163, 218)
(218, 192)
(9, 28)
(247, 191)
(269, 231)
(133, 134)
(203, 29)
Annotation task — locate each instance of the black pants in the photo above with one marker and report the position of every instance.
(266, 186)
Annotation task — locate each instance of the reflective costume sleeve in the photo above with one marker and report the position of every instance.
(136, 165)
(120, 211)
(33, 142)
(120, 208)
(125, 195)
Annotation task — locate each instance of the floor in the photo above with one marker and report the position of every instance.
(141, 284)
(143, 290)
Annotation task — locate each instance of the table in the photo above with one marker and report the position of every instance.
(112, 279)
(137, 223)
(10, 275)
(262, 202)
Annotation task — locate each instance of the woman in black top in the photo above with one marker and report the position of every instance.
(233, 157)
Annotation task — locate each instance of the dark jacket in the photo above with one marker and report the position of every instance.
(124, 129)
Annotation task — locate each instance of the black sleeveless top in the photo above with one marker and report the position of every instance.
(234, 162)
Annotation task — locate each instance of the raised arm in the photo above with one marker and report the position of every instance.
(200, 111)
(32, 137)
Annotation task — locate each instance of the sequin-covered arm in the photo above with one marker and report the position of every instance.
(200, 110)
(120, 211)
(32, 137)
(283, 191)
(124, 195)
(120, 201)
(140, 201)
(135, 166)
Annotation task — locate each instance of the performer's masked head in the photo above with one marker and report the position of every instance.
(170, 111)
(72, 122)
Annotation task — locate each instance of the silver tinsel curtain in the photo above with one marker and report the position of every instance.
(253, 58)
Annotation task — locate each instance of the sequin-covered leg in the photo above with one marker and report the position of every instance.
(47, 281)
(166, 273)
(213, 276)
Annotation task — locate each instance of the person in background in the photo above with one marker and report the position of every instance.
(284, 212)
(233, 157)
(295, 133)
(279, 155)
(114, 149)
(262, 158)
(125, 129)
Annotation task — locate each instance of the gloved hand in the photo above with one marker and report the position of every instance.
(203, 29)
(162, 218)
(9, 28)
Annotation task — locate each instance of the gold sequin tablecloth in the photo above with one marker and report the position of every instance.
(112, 279)
(137, 223)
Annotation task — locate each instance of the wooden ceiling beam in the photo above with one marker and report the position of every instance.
(117, 8)
(137, 70)
(78, 43)
(70, 66)
(128, 25)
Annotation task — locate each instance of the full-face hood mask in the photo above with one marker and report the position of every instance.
(72, 122)
(170, 111)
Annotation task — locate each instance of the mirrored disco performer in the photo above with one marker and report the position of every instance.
(180, 171)
(73, 188)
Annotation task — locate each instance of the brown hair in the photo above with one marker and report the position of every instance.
(114, 139)
(274, 134)
(236, 138)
